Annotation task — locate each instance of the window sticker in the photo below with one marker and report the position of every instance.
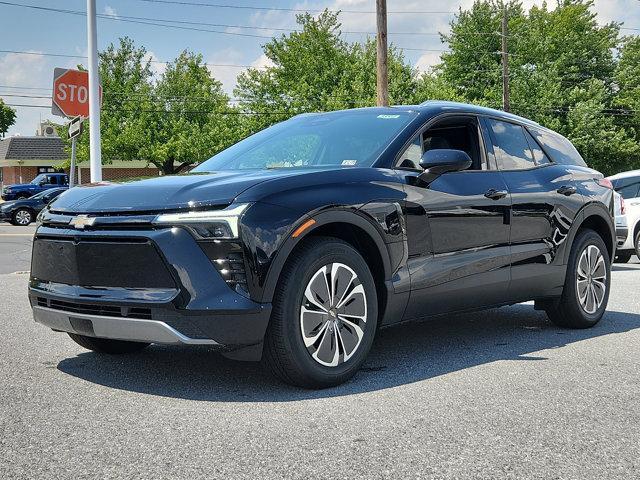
(387, 116)
(349, 162)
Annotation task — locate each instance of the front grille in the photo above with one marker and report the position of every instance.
(96, 309)
(100, 262)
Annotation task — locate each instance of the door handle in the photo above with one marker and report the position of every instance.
(494, 194)
(567, 190)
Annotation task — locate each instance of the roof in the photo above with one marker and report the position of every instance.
(630, 173)
(32, 148)
(468, 108)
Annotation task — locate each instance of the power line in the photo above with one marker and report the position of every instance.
(164, 25)
(298, 10)
(83, 57)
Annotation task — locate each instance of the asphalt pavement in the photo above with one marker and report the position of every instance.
(15, 247)
(496, 394)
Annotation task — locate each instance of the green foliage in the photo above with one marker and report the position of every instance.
(7, 117)
(562, 73)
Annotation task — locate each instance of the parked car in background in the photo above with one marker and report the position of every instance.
(25, 210)
(627, 185)
(42, 182)
(622, 231)
(295, 244)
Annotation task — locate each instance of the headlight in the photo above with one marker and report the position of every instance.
(216, 224)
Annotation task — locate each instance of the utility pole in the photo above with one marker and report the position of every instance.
(95, 155)
(382, 74)
(505, 62)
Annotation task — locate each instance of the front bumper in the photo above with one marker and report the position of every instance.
(148, 285)
(8, 196)
(131, 329)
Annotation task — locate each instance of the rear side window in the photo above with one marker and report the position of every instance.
(510, 146)
(538, 154)
(559, 148)
(628, 187)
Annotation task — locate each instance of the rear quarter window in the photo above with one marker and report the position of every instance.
(557, 147)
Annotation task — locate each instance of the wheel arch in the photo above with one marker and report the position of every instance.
(597, 218)
(350, 226)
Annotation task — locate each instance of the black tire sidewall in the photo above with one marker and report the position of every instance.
(570, 301)
(637, 244)
(326, 252)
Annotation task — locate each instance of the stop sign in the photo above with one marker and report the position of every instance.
(71, 93)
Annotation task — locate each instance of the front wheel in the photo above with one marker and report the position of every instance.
(586, 288)
(107, 345)
(324, 315)
(22, 216)
(638, 244)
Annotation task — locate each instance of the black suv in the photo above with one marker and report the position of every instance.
(294, 245)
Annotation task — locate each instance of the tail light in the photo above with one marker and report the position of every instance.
(623, 208)
(605, 182)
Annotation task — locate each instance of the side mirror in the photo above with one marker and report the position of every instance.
(442, 160)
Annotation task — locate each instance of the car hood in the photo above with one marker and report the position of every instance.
(163, 193)
(21, 186)
(5, 206)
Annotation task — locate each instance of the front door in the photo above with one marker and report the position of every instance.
(457, 226)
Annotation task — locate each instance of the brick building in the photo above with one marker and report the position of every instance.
(22, 158)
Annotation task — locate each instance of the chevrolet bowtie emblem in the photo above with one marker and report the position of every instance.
(82, 221)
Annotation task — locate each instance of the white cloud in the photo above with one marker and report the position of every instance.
(110, 11)
(157, 67)
(427, 61)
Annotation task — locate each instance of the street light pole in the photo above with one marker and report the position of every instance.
(95, 155)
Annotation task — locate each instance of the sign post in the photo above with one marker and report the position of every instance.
(75, 130)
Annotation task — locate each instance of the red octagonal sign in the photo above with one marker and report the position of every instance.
(71, 93)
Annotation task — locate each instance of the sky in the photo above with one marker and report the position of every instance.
(36, 31)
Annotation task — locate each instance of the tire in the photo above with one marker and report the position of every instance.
(569, 311)
(291, 353)
(106, 345)
(623, 257)
(22, 217)
(637, 244)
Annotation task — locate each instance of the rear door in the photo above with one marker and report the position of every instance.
(545, 201)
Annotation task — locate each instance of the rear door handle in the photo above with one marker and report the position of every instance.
(567, 190)
(494, 194)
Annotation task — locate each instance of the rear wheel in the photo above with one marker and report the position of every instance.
(324, 315)
(586, 288)
(22, 216)
(107, 345)
(638, 244)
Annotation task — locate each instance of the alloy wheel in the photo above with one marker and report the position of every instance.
(23, 217)
(333, 314)
(591, 279)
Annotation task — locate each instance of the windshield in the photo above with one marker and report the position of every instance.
(38, 179)
(41, 194)
(345, 138)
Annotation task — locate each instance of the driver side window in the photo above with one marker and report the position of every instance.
(455, 133)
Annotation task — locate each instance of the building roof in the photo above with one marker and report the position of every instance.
(32, 148)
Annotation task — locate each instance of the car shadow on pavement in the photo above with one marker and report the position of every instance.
(400, 355)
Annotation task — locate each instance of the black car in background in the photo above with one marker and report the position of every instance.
(294, 245)
(25, 210)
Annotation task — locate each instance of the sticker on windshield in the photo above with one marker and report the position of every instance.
(388, 116)
(349, 162)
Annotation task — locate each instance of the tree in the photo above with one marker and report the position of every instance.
(314, 69)
(561, 72)
(172, 122)
(187, 118)
(7, 118)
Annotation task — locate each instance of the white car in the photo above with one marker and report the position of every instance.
(627, 185)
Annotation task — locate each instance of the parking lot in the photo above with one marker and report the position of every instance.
(497, 394)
